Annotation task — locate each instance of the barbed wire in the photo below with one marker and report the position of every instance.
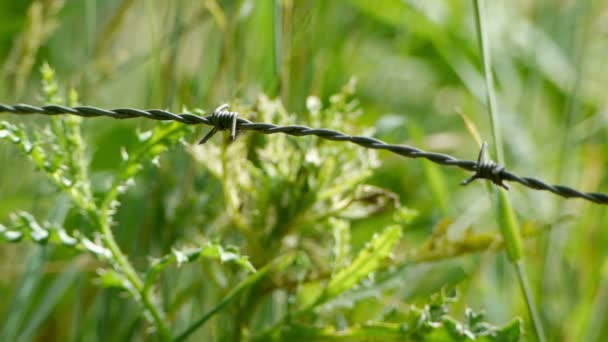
(222, 119)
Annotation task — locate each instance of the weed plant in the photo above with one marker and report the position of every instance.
(129, 230)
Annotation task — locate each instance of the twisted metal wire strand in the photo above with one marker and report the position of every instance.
(221, 118)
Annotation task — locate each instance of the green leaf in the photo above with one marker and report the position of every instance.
(24, 295)
(367, 261)
(50, 300)
(152, 144)
(414, 325)
(276, 265)
(209, 250)
(50, 88)
(24, 226)
(226, 254)
(67, 171)
(111, 279)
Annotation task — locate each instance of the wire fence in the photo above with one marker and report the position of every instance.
(222, 119)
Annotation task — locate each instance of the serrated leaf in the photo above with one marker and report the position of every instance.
(228, 254)
(209, 250)
(415, 326)
(24, 225)
(96, 249)
(367, 261)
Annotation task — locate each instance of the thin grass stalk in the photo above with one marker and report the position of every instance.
(507, 220)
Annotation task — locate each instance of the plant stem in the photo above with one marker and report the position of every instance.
(102, 215)
(275, 265)
(128, 270)
(482, 40)
(524, 284)
(509, 226)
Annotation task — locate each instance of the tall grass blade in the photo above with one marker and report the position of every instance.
(506, 216)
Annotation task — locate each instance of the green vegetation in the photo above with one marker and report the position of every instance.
(128, 230)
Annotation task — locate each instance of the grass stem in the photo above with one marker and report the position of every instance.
(509, 226)
(482, 40)
(527, 291)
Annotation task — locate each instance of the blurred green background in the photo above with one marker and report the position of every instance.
(418, 69)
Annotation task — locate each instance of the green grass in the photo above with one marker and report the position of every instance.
(506, 218)
(127, 230)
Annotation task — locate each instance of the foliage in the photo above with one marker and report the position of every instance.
(431, 323)
(126, 230)
(313, 195)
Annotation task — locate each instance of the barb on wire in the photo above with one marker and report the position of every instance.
(221, 119)
(487, 169)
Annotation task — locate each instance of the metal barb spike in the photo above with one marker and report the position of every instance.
(220, 119)
(487, 169)
(208, 136)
